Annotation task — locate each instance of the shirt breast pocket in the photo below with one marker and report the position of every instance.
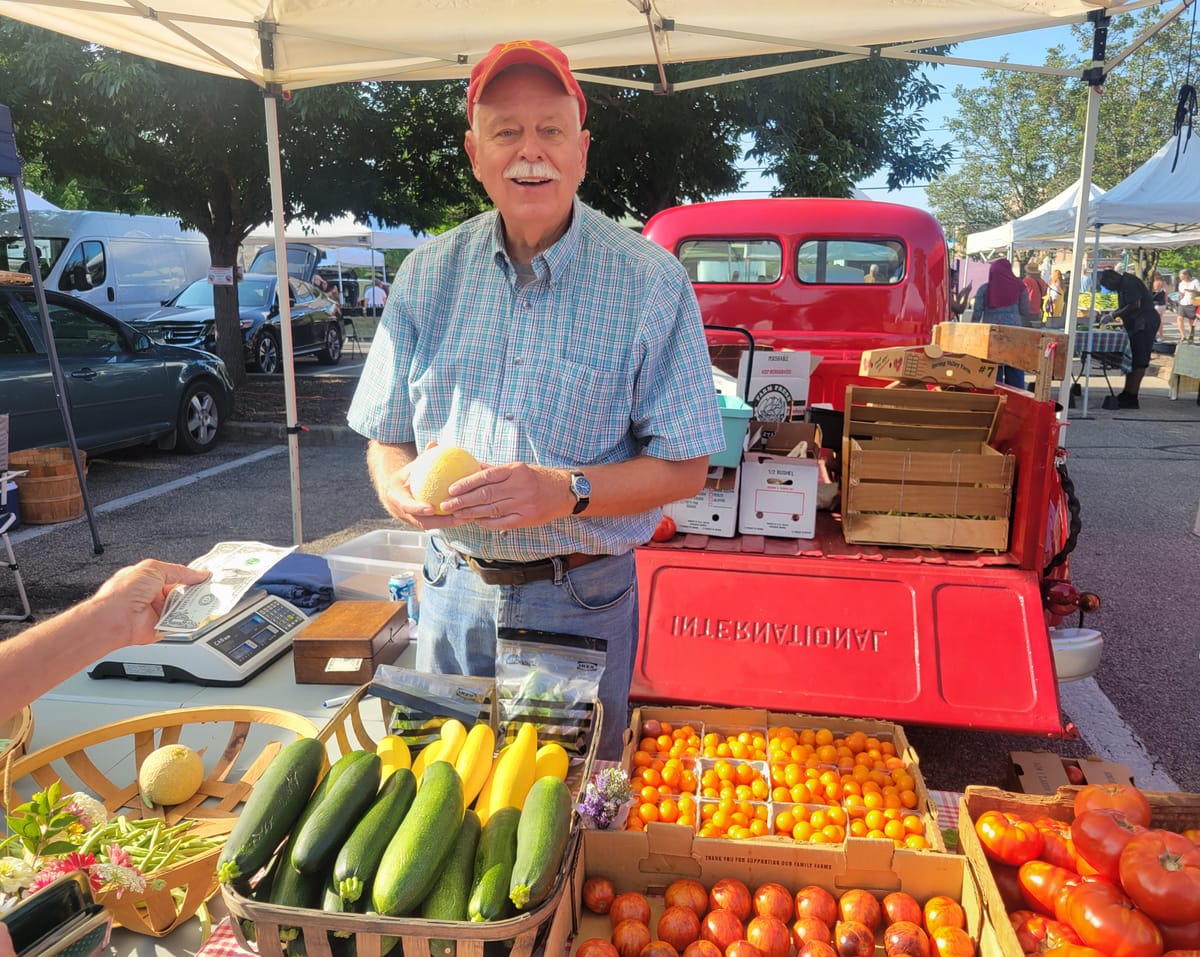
(584, 416)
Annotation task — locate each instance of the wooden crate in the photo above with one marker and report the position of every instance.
(917, 470)
(358, 724)
(1039, 351)
(104, 763)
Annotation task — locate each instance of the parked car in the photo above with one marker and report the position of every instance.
(124, 388)
(188, 319)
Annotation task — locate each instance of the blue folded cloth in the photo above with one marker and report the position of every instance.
(304, 580)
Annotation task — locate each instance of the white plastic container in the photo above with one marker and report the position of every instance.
(1076, 652)
(361, 567)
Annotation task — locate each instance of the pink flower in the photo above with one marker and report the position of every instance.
(119, 856)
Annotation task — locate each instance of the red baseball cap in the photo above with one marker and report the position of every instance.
(537, 53)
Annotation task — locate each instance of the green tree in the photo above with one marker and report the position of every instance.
(1019, 135)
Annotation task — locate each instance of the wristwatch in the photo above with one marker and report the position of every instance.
(581, 488)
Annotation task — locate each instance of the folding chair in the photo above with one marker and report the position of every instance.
(7, 520)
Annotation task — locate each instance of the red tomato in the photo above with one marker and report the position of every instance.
(1036, 933)
(1073, 950)
(1008, 883)
(1041, 882)
(1060, 900)
(1100, 836)
(1181, 937)
(1057, 846)
(1107, 920)
(1119, 797)
(1008, 839)
(665, 530)
(1160, 872)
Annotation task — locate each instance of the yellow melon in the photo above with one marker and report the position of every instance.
(170, 775)
(436, 469)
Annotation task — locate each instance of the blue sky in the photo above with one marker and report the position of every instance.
(1023, 48)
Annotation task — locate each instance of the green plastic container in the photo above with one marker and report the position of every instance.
(735, 417)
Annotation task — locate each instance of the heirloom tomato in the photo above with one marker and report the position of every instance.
(1160, 871)
(1041, 882)
(1073, 950)
(1036, 933)
(1107, 920)
(1118, 797)
(1007, 838)
(1057, 846)
(1100, 836)
(1182, 937)
(664, 531)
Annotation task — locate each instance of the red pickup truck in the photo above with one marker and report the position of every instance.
(922, 635)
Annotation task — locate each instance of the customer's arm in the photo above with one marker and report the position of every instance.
(123, 612)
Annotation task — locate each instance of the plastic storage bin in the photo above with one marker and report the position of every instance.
(361, 567)
(735, 418)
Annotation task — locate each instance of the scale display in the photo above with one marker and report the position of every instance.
(227, 653)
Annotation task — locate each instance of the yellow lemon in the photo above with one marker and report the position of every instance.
(436, 469)
(170, 775)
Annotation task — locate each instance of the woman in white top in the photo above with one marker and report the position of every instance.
(1189, 294)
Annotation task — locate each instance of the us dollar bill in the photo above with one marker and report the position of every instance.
(235, 567)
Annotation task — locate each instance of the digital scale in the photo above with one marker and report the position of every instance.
(227, 653)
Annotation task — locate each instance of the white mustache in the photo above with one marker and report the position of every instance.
(522, 169)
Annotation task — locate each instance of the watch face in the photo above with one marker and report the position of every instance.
(581, 486)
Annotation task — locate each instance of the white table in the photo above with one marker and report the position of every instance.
(1185, 373)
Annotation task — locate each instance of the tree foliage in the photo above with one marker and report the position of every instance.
(1019, 135)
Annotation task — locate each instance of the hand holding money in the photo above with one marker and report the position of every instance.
(235, 567)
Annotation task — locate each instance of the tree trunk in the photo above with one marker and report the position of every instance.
(228, 322)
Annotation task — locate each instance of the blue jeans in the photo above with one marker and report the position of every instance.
(1011, 375)
(460, 617)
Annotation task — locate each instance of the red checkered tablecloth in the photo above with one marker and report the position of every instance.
(223, 943)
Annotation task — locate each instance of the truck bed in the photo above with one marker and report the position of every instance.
(920, 635)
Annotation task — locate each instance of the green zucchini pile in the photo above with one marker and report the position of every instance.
(345, 844)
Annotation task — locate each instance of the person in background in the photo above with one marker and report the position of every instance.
(1158, 295)
(123, 612)
(375, 298)
(874, 273)
(1004, 300)
(1135, 308)
(566, 353)
(1056, 297)
(1035, 288)
(1189, 296)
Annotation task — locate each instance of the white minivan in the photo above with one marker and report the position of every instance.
(125, 265)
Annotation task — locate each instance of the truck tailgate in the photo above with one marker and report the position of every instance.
(916, 635)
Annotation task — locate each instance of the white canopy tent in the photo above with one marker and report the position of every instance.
(340, 233)
(292, 44)
(1154, 198)
(32, 200)
(1054, 218)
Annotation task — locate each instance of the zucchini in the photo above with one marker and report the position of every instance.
(293, 889)
(274, 804)
(421, 844)
(542, 836)
(493, 865)
(359, 857)
(320, 836)
(448, 899)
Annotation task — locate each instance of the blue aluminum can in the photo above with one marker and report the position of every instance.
(402, 586)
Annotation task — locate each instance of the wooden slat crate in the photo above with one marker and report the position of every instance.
(1039, 351)
(918, 470)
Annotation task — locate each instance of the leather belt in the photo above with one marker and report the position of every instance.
(522, 573)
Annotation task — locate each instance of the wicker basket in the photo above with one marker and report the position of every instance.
(357, 725)
(237, 744)
(17, 731)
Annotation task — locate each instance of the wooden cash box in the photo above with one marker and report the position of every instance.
(344, 643)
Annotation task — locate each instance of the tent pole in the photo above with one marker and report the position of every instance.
(1094, 78)
(285, 311)
(8, 150)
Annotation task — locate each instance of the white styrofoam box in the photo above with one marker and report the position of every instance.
(778, 496)
(711, 511)
(361, 567)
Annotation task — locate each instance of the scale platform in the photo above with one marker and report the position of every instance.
(227, 653)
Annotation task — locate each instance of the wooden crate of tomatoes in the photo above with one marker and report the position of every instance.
(1104, 866)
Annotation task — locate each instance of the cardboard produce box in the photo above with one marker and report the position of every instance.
(714, 509)
(647, 862)
(779, 484)
(917, 470)
(929, 364)
(778, 390)
(734, 720)
(1044, 772)
(1175, 812)
(1039, 351)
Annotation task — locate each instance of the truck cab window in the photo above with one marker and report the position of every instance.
(731, 260)
(850, 261)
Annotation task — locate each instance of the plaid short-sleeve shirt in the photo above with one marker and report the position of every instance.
(601, 358)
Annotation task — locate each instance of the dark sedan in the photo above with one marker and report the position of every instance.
(124, 388)
(188, 320)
